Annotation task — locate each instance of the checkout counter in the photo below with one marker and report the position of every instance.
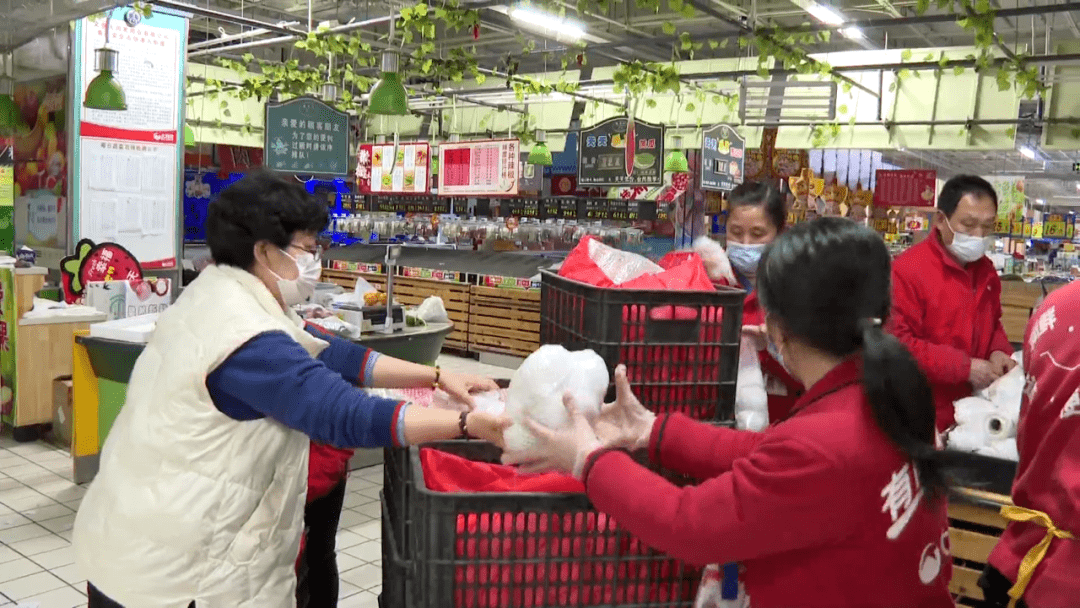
(34, 352)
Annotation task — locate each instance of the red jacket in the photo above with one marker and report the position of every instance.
(807, 506)
(946, 315)
(1048, 439)
(783, 390)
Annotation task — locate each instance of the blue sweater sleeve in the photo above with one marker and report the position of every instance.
(273, 376)
(355, 363)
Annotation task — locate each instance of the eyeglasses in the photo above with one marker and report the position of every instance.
(314, 251)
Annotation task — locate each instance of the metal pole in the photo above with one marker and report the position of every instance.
(227, 17)
(232, 37)
(272, 41)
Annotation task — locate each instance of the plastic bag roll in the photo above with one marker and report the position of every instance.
(999, 427)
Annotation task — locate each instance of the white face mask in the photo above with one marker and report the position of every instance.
(299, 290)
(745, 258)
(968, 248)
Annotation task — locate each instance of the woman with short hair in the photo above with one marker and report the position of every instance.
(200, 496)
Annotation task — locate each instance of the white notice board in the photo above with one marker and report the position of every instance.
(127, 164)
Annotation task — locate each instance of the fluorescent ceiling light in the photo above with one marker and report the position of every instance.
(1040, 201)
(547, 21)
(824, 13)
(852, 32)
(1027, 152)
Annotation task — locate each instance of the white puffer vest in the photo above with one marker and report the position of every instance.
(189, 504)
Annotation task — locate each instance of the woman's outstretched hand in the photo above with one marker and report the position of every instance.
(463, 386)
(625, 423)
(563, 450)
(488, 427)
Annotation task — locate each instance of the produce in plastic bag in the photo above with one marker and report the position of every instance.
(751, 400)
(491, 402)
(432, 310)
(538, 386)
(715, 259)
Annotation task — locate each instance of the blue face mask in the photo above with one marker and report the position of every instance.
(745, 258)
(774, 352)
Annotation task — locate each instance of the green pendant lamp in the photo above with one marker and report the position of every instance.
(540, 154)
(676, 161)
(104, 92)
(388, 97)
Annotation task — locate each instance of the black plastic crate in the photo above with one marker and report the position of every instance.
(501, 550)
(680, 348)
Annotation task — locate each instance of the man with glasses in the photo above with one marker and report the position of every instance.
(946, 298)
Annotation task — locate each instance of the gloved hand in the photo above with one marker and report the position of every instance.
(625, 423)
(564, 450)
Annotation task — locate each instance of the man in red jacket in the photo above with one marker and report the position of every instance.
(1038, 557)
(947, 298)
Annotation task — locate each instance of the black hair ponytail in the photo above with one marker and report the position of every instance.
(828, 283)
(903, 403)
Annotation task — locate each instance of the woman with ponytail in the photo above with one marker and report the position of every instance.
(841, 504)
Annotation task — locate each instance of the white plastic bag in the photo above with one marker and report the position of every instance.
(751, 400)
(715, 260)
(432, 310)
(620, 266)
(491, 402)
(1007, 391)
(710, 591)
(538, 386)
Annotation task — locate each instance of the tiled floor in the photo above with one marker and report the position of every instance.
(38, 501)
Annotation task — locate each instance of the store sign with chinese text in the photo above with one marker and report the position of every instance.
(723, 159)
(380, 171)
(480, 168)
(621, 152)
(306, 136)
(905, 188)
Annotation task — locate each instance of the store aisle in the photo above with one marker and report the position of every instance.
(38, 501)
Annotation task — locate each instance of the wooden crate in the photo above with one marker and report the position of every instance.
(504, 321)
(347, 278)
(1017, 303)
(455, 297)
(975, 525)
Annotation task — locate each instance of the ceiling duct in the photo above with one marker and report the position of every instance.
(778, 101)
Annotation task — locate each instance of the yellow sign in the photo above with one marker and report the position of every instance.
(1070, 230)
(881, 224)
(1068, 247)
(1054, 229)
(1001, 226)
(1018, 228)
(7, 186)
(1037, 230)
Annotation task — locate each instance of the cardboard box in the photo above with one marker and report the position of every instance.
(123, 299)
(63, 417)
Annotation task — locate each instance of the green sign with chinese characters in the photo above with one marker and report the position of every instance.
(306, 136)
